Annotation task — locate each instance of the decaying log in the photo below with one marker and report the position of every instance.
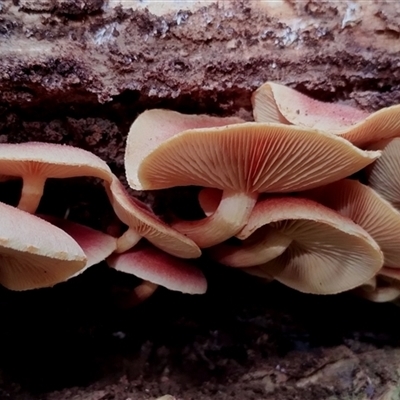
(212, 52)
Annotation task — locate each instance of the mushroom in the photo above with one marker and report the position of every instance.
(35, 253)
(142, 222)
(277, 103)
(328, 254)
(366, 208)
(152, 264)
(242, 159)
(379, 290)
(35, 162)
(96, 245)
(384, 174)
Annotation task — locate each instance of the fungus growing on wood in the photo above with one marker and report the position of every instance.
(35, 253)
(384, 174)
(35, 162)
(153, 265)
(368, 209)
(328, 254)
(277, 103)
(142, 222)
(242, 159)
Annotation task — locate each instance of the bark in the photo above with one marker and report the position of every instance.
(78, 72)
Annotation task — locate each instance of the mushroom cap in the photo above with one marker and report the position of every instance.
(251, 157)
(154, 127)
(384, 173)
(35, 253)
(329, 253)
(96, 245)
(151, 264)
(277, 103)
(50, 160)
(273, 102)
(140, 218)
(367, 208)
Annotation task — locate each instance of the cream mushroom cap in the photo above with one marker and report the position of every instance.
(142, 222)
(34, 162)
(252, 157)
(273, 102)
(35, 253)
(329, 253)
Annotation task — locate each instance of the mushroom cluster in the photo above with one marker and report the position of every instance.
(275, 193)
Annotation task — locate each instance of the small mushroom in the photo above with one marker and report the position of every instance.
(277, 103)
(242, 159)
(142, 222)
(328, 254)
(35, 162)
(151, 264)
(384, 173)
(366, 208)
(35, 253)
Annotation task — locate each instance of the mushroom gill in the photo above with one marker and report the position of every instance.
(367, 208)
(328, 254)
(384, 173)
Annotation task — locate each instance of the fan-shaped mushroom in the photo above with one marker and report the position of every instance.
(277, 103)
(35, 253)
(142, 222)
(328, 253)
(35, 162)
(242, 159)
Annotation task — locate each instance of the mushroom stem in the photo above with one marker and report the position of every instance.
(32, 192)
(229, 218)
(263, 246)
(127, 240)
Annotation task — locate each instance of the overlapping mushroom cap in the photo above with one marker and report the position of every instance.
(384, 174)
(328, 253)
(35, 162)
(151, 264)
(142, 222)
(35, 253)
(242, 159)
(96, 245)
(277, 103)
(368, 209)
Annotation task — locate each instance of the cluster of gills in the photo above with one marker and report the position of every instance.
(277, 200)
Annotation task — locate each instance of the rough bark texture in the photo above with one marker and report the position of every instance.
(78, 72)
